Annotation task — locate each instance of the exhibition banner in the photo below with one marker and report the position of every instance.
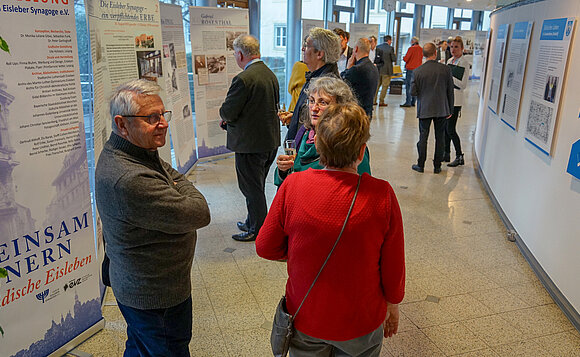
(307, 24)
(126, 44)
(178, 98)
(515, 69)
(497, 66)
(51, 292)
(213, 31)
(484, 63)
(362, 31)
(549, 70)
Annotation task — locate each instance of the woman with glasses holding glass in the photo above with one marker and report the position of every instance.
(321, 93)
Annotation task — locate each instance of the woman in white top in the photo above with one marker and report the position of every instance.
(460, 78)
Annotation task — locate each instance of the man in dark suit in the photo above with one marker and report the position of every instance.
(249, 114)
(346, 50)
(362, 75)
(385, 70)
(375, 54)
(433, 86)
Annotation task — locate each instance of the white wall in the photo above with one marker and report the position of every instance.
(540, 199)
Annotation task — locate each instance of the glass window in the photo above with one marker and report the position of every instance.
(280, 31)
(465, 25)
(485, 23)
(405, 7)
(427, 18)
(372, 4)
(439, 17)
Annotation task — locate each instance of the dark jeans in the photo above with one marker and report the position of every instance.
(252, 170)
(424, 127)
(451, 133)
(158, 332)
(409, 99)
(302, 345)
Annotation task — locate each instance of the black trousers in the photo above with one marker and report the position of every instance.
(451, 133)
(252, 170)
(424, 127)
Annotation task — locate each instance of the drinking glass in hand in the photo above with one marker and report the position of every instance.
(290, 148)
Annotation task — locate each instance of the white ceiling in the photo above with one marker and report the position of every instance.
(463, 4)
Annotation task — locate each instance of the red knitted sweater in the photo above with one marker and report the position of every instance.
(367, 267)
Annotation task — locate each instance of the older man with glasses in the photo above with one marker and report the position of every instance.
(321, 51)
(150, 214)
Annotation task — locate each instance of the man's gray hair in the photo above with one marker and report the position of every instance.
(364, 45)
(248, 45)
(326, 41)
(123, 99)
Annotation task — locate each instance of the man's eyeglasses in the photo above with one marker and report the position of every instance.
(154, 118)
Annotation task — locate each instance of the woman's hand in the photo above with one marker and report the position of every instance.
(391, 324)
(285, 162)
(285, 117)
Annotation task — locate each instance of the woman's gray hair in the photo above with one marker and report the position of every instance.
(327, 41)
(331, 86)
(248, 45)
(123, 99)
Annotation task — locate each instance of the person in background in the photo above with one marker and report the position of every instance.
(149, 214)
(362, 75)
(442, 54)
(413, 59)
(320, 51)
(250, 115)
(345, 49)
(433, 86)
(385, 70)
(375, 54)
(354, 302)
(322, 92)
(460, 69)
(296, 82)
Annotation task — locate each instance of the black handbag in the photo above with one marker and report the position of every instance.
(283, 325)
(105, 270)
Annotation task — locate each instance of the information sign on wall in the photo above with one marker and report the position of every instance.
(549, 73)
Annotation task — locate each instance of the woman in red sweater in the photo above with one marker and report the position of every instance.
(355, 300)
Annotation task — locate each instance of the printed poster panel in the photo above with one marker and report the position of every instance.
(549, 72)
(334, 25)
(498, 63)
(51, 293)
(213, 31)
(178, 98)
(515, 69)
(362, 31)
(485, 62)
(307, 24)
(126, 44)
(479, 51)
(473, 44)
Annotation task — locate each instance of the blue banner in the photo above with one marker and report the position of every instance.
(520, 30)
(553, 29)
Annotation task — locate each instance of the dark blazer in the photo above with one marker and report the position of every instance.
(389, 58)
(363, 78)
(379, 61)
(250, 110)
(433, 86)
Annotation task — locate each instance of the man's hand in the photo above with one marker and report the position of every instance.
(285, 162)
(351, 61)
(450, 115)
(223, 124)
(391, 324)
(285, 117)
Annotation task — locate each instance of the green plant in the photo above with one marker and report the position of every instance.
(4, 45)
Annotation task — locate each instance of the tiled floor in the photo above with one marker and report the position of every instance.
(469, 291)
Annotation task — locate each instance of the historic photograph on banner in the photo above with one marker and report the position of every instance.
(549, 69)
